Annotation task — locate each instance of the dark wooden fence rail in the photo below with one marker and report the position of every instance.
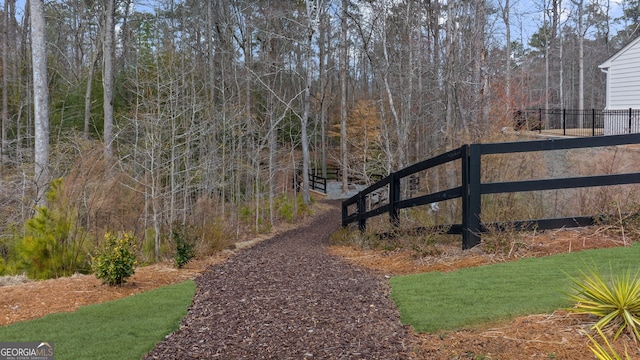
(472, 189)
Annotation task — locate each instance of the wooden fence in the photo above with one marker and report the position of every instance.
(471, 189)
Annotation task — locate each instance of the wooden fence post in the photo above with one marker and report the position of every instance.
(394, 198)
(362, 210)
(471, 197)
(345, 214)
(540, 121)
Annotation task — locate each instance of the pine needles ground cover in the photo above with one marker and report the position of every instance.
(448, 301)
(126, 328)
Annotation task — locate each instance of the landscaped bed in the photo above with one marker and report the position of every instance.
(547, 335)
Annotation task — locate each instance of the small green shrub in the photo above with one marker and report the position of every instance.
(246, 214)
(148, 249)
(117, 260)
(290, 208)
(286, 211)
(184, 246)
(616, 302)
(53, 244)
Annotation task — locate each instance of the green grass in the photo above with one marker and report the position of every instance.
(448, 301)
(123, 329)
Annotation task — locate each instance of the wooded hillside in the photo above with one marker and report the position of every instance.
(186, 114)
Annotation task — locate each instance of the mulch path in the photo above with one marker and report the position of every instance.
(288, 298)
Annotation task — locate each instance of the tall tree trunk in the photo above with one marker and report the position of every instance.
(546, 66)
(480, 73)
(450, 73)
(581, 33)
(322, 70)
(107, 75)
(5, 85)
(343, 98)
(506, 14)
(40, 99)
(87, 94)
(306, 197)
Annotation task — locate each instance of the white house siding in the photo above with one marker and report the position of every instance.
(623, 89)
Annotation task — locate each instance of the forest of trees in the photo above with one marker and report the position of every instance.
(171, 113)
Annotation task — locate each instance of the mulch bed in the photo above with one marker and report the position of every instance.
(288, 298)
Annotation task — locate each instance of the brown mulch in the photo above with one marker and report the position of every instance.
(288, 298)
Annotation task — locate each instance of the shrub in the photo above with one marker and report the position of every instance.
(184, 246)
(53, 244)
(117, 260)
(616, 302)
(213, 237)
(148, 249)
(350, 236)
(342, 236)
(290, 208)
(246, 214)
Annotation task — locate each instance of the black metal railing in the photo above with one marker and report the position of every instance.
(472, 189)
(316, 182)
(571, 122)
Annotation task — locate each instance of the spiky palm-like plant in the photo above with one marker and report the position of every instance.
(603, 350)
(616, 302)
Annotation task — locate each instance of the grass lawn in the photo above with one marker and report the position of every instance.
(448, 301)
(122, 329)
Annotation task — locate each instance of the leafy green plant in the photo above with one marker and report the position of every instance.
(116, 262)
(615, 302)
(603, 350)
(184, 246)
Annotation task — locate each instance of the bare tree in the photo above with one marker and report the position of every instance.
(505, 15)
(40, 99)
(7, 21)
(343, 97)
(107, 74)
(313, 18)
(581, 35)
